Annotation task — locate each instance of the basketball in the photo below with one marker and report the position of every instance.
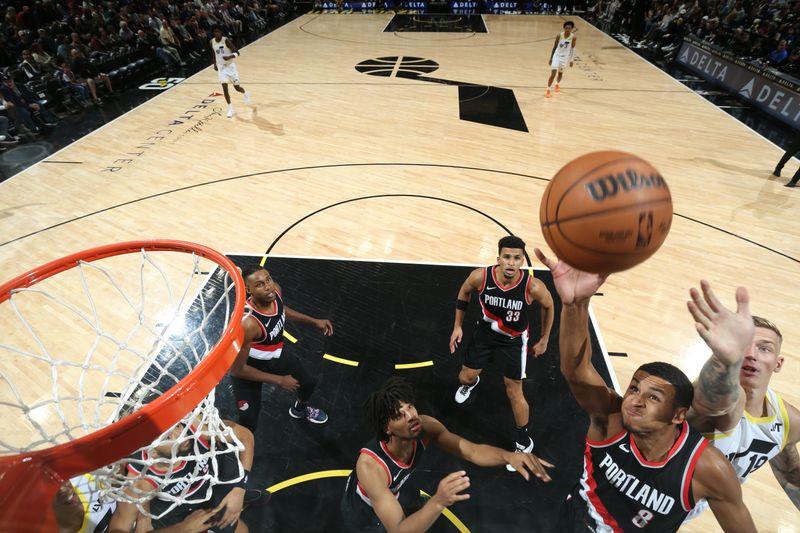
(606, 212)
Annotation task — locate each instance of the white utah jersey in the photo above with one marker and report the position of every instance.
(221, 50)
(97, 511)
(564, 46)
(753, 442)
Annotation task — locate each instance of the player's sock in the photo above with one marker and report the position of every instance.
(230, 110)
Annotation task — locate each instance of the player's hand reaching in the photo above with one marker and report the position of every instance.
(232, 504)
(527, 462)
(325, 326)
(448, 492)
(198, 521)
(455, 339)
(728, 334)
(573, 285)
(67, 508)
(288, 382)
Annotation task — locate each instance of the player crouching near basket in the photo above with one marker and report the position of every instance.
(182, 465)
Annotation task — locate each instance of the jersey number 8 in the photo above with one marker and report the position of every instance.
(642, 518)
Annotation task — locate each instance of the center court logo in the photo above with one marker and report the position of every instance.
(483, 104)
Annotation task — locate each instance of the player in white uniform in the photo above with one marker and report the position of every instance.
(733, 405)
(224, 52)
(563, 52)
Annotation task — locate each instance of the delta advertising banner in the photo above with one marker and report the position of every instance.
(774, 94)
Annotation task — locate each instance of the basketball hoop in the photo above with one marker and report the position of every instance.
(129, 384)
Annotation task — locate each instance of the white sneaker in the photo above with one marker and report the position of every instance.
(521, 449)
(230, 111)
(247, 98)
(464, 391)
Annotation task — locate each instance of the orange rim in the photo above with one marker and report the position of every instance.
(139, 428)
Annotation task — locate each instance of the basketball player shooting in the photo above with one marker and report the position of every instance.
(644, 467)
(563, 52)
(224, 53)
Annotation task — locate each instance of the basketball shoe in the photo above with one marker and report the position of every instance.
(464, 391)
(557, 87)
(312, 414)
(230, 111)
(547, 94)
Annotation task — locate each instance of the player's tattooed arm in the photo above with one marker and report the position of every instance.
(718, 385)
(786, 467)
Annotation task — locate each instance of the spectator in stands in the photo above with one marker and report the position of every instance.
(125, 34)
(77, 86)
(64, 48)
(29, 67)
(46, 42)
(6, 139)
(86, 71)
(778, 56)
(43, 60)
(23, 105)
(170, 42)
(149, 43)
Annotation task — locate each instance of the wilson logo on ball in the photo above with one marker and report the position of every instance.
(606, 212)
(610, 185)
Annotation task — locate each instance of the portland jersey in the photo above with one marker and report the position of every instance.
(269, 344)
(97, 510)
(564, 45)
(220, 50)
(622, 491)
(754, 440)
(504, 309)
(397, 473)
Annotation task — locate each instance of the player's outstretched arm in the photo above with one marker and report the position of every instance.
(718, 397)
(483, 454)
(372, 478)
(786, 465)
(575, 288)
(715, 480)
(470, 285)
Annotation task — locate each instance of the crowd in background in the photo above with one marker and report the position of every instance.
(69, 55)
(760, 30)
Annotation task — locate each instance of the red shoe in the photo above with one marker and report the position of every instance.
(556, 87)
(547, 94)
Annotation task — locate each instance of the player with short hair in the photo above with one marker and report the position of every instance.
(644, 467)
(505, 291)
(261, 359)
(401, 437)
(223, 53)
(563, 52)
(734, 406)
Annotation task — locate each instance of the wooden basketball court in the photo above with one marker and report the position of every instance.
(419, 156)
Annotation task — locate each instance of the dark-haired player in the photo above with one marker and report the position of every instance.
(644, 467)
(224, 52)
(261, 358)
(370, 502)
(563, 53)
(505, 291)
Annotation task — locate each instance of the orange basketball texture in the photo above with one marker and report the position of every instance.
(606, 212)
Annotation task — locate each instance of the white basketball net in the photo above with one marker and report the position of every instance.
(182, 466)
(94, 343)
